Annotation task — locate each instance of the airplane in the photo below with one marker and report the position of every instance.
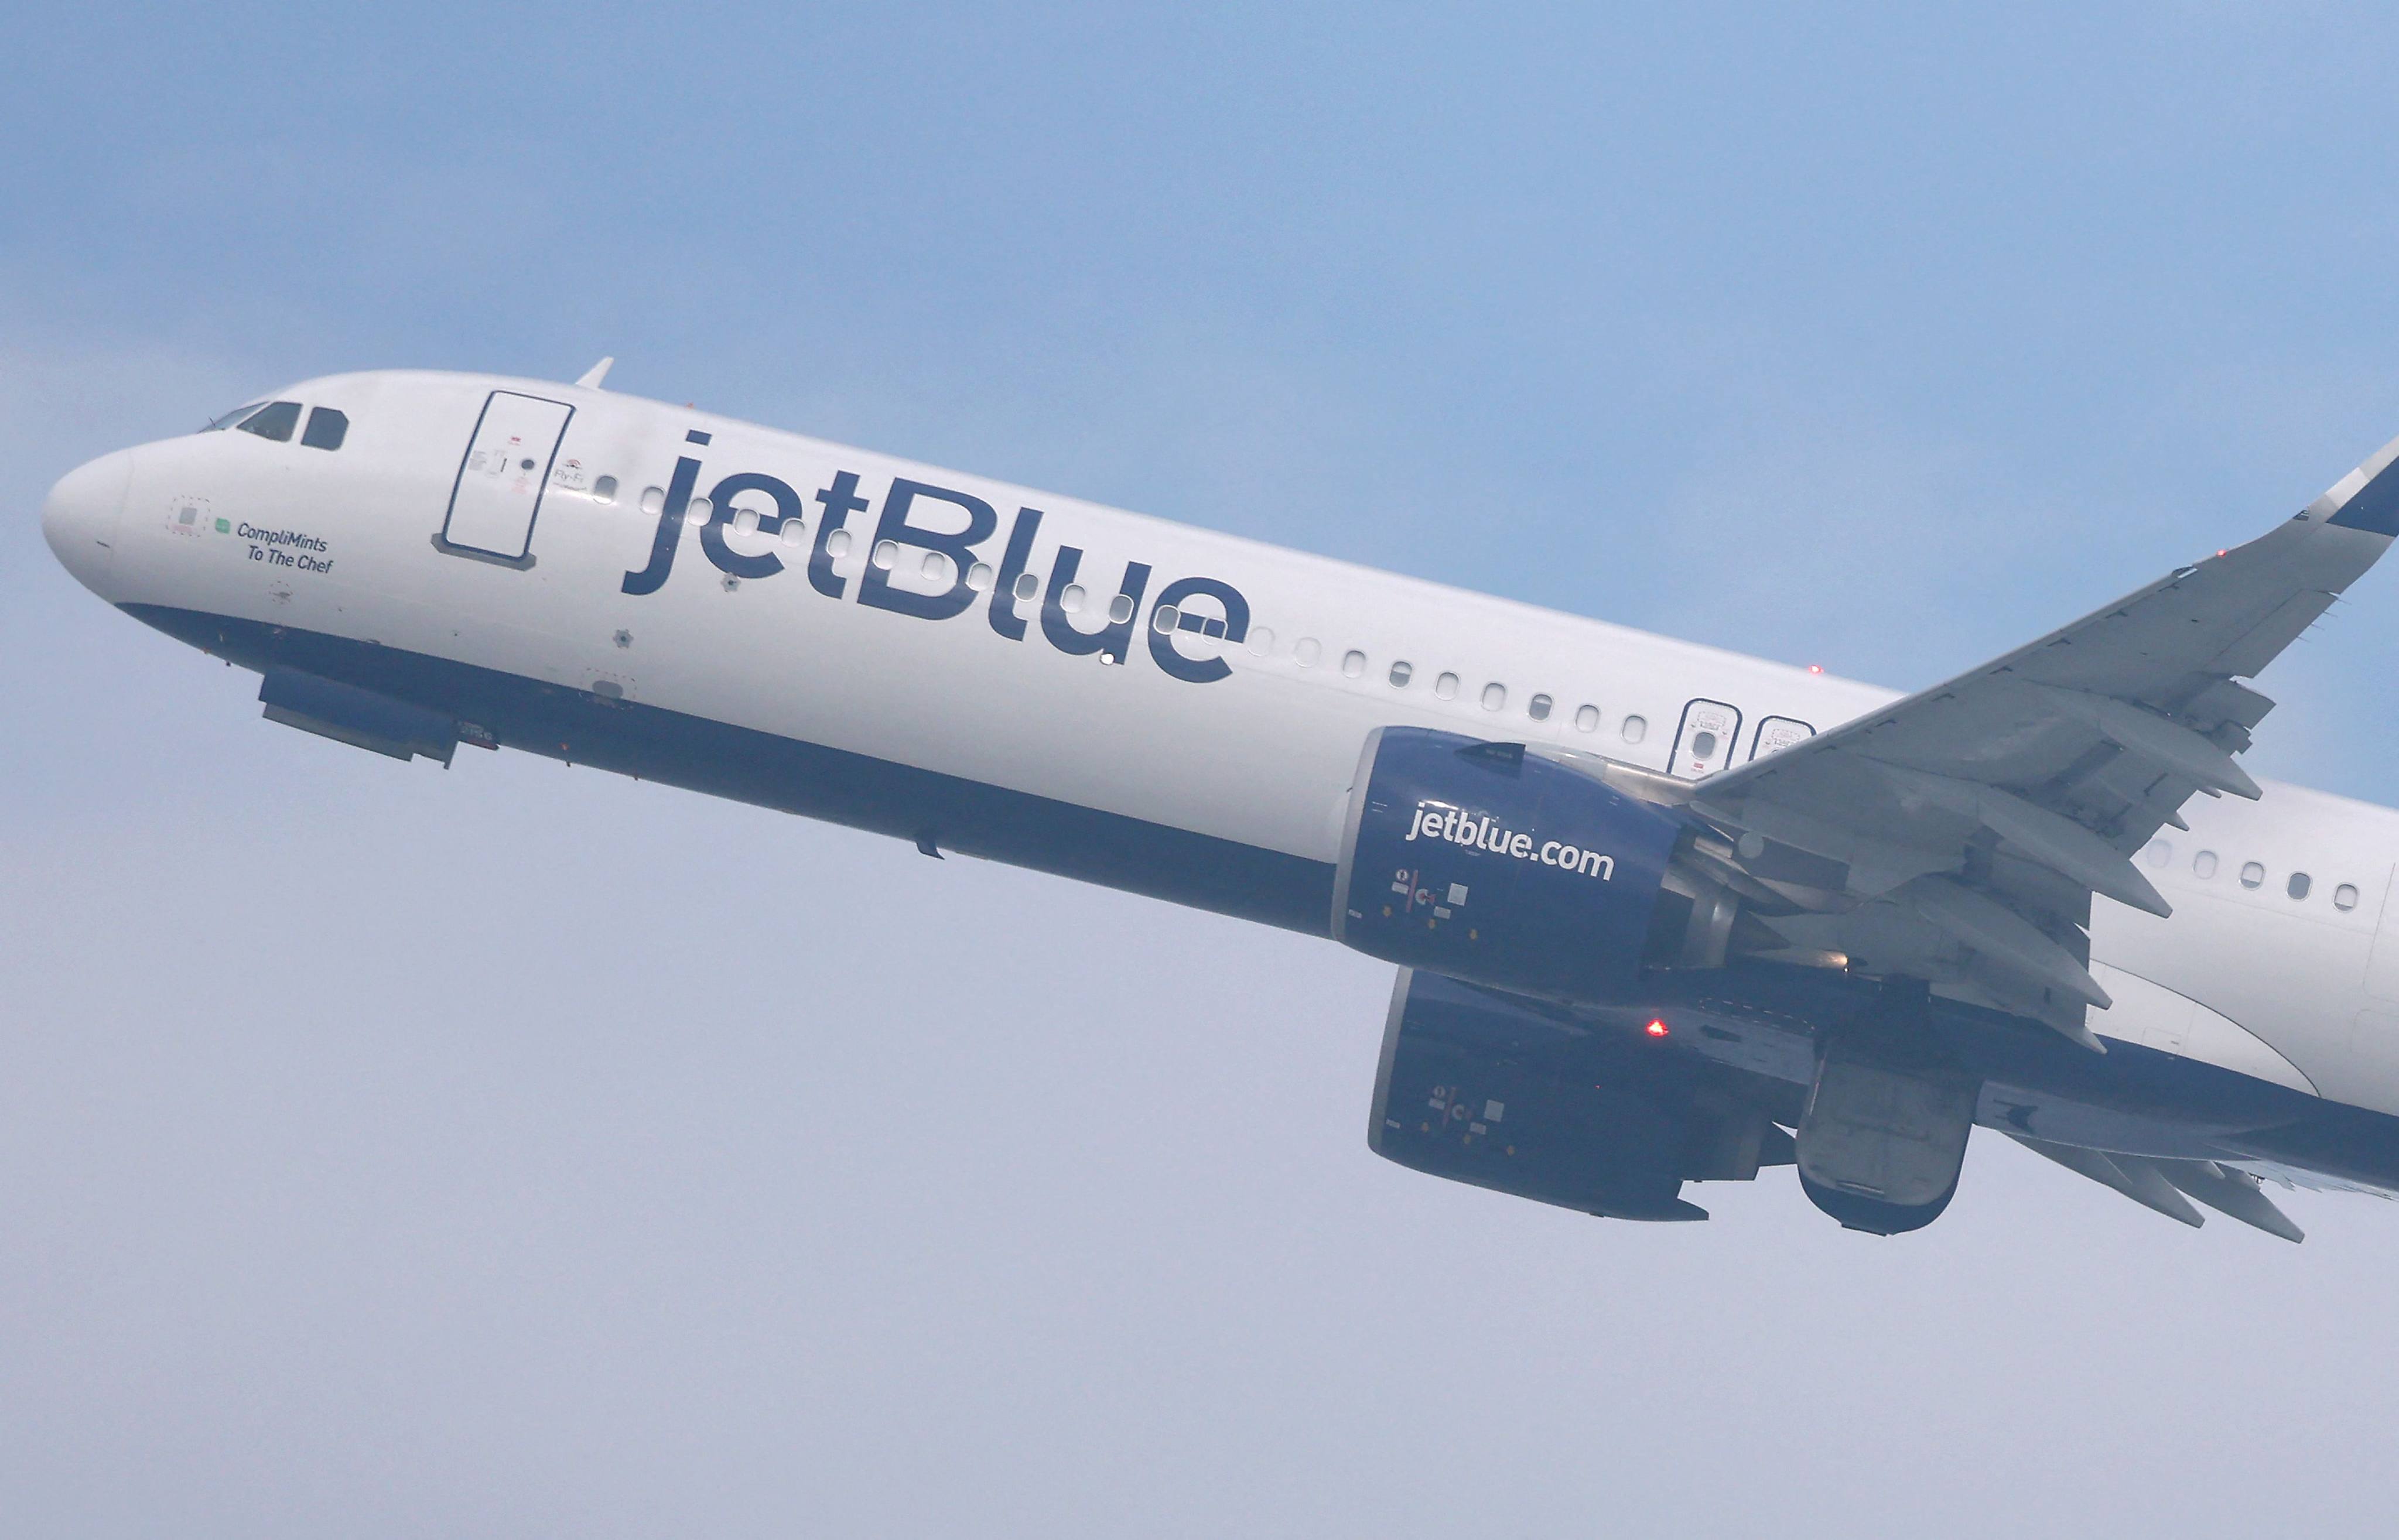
(1661, 913)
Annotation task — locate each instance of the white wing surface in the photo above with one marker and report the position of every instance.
(1968, 824)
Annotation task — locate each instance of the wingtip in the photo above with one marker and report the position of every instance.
(2367, 498)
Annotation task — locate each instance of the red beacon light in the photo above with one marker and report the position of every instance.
(1818, 668)
(1656, 1028)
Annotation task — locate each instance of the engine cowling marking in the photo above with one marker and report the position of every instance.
(1509, 870)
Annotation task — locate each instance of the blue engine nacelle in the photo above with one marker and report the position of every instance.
(1499, 1093)
(1479, 861)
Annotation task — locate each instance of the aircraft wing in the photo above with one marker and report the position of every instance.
(1957, 835)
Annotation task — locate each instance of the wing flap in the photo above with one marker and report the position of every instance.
(2231, 1193)
(2134, 1178)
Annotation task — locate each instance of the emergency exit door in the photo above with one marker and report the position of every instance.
(497, 496)
(1776, 733)
(1703, 744)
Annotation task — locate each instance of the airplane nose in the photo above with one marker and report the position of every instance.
(79, 517)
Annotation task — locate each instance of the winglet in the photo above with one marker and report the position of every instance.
(597, 372)
(2367, 498)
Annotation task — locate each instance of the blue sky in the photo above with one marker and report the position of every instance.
(360, 1172)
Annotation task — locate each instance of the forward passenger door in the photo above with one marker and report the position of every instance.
(496, 497)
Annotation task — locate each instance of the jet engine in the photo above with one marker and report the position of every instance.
(1557, 876)
(1477, 1088)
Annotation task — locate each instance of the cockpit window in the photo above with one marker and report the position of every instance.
(217, 424)
(274, 420)
(326, 429)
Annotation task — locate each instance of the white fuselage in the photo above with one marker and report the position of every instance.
(345, 543)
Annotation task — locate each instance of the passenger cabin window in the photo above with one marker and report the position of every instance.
(1586, 719)
(1162, 619)
(605, 488)
(1401, 674)
(1307, 652)
(2159, 853)
(1353, 663)
(1494, 696)
(2203, 864)
(274, 420)
(2298, 885)
(2253, 874)
(1445, 686)
(2344, 897)
(326, 429)
(1634, 729)
(1538, 709)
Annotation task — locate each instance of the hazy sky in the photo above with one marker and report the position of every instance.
(516, 1150)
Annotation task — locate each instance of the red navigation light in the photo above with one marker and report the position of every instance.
(1656, 1029)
